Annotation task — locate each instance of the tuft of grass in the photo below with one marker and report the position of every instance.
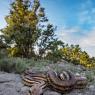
(6, 65)
(16, 65)
(19, 65)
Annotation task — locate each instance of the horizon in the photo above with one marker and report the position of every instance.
(74, 20)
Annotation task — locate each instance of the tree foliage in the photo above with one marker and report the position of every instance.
(26, 28)
(22, 22)
(75, 55)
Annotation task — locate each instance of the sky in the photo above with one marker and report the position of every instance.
(75, 20)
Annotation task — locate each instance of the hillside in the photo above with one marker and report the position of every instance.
(11, 84)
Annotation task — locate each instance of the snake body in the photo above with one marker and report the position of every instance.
(61, 82)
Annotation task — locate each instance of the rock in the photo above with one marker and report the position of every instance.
(24, 90)
(11, 84)
(19, 85)
(8, 89)
(49, 92)
(7, 77)
(92, 88)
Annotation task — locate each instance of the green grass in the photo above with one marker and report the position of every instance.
(18, 65)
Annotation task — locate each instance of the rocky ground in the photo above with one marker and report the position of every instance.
(11, 84)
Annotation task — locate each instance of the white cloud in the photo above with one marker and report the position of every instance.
(87, 16)
(89, 39)
(71, 35)
(85, 39)
(88, 42)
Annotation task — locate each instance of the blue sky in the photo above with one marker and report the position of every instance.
(75, 20)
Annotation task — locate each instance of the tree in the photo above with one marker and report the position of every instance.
(66, 52)
(75, 55)
(55, 53)
(22, 30)
(26, 28)
(84, 58)
(3, 47)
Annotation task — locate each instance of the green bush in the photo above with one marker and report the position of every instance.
(3, 53)
(18, 65)
(6, 65)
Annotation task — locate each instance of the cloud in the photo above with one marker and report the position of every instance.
(84, 34)
(70, 35)
(76, 35)
(88, 42)
(89, 39)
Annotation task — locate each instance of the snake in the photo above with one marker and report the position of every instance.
(62, 82)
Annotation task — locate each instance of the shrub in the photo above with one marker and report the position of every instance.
(3, 53)
(18, 65)
(6, 65)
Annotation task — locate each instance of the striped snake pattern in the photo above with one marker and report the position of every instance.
(61, 82)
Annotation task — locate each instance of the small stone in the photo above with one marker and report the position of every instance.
(25, 88)
(92, 87)
(49, 92)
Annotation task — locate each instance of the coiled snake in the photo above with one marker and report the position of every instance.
(61, 82)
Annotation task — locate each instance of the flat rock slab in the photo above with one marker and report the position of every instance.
(9, 77)
(10, 84)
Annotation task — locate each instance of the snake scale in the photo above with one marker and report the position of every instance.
(61, 82)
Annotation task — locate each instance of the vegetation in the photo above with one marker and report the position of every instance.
(18, 65)
(28, 29)
(75, 55)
